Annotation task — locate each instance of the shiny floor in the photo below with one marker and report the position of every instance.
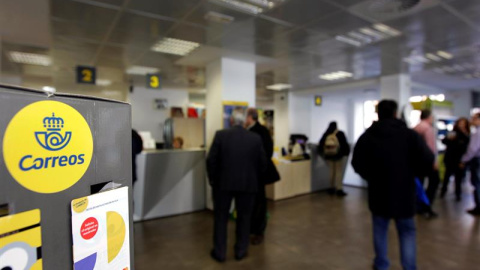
(314, 231)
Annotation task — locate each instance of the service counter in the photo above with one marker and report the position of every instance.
(170, 182)
(295, 180)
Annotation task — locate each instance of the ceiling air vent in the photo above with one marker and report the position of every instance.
(390, 9)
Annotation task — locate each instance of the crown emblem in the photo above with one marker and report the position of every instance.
(52, 139)
(53, 123)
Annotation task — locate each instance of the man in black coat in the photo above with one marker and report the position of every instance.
(389, 156)
(259, 216)
(234, 164)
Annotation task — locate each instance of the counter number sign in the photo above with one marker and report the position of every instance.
(318, 101)
(154, 81)
(86, 74)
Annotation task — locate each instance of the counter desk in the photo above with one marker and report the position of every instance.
(170, 182)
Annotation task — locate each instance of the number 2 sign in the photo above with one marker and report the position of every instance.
(86, 74)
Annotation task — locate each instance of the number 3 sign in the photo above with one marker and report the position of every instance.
(153, 81)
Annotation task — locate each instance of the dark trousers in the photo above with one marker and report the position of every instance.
(244, 205)
(259, 215)
(459, 174)
(475, 180)
(433, 183)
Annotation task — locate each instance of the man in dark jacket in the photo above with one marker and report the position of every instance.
(259, 215)
(389, 156)
(235, 163)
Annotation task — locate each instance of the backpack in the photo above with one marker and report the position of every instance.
(332, 145)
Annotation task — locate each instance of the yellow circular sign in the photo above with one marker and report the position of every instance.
(47, 146)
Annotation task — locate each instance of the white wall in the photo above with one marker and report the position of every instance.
(300, 108)
(462, 102)
(332, 109)
(145, 117)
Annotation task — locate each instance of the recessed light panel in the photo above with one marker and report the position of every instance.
(140, 70)
(175, 46)
(30, 58)
(279, 86)
(338, 75)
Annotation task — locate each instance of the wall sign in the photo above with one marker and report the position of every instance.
(318, 100)
(86, 74)
(100, 230)
(154, 81)
(47, 146)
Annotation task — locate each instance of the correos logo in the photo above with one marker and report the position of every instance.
(47, 146)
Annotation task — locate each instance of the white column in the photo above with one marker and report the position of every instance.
(397, 87)
(227, 80)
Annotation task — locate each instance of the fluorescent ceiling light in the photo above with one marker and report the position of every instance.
(362, 37)
(240, 5)
(433, 57)
(49, 89)
(30, 58)
(263, 3)
(386, 29)
(175, 46)
(336, 75)
(373, 33)
(103, 82)
(347, 40)
(279, 86)
(139, 70)
(445, 55)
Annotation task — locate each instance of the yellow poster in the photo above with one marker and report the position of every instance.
(100, 230)
(21, 241)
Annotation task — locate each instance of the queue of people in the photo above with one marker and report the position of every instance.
(393, 159)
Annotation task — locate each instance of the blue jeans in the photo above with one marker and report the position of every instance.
(407, 236)
(475, 179)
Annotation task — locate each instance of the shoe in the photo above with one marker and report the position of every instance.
(216, 257)
(257, 240)
(341, 193)
(331, 191)
(474, 212)
(240, 256)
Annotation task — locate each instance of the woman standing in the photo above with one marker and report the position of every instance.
(333, 147)
(457, 143)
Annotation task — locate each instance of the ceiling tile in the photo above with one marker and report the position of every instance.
(301, 13)
(176, 9)
(338, 23)
(139, 31)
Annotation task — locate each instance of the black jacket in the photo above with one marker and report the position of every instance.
(271, 174)
(344, 150)
(236, 160)
(456, 147)
(389, 156)
(137, 147)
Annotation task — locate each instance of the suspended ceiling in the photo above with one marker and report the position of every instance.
(294, 42)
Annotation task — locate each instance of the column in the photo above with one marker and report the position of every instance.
(227, 80)
(397, 87)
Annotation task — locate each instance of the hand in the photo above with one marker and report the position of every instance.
(435, 166)
(461, 165)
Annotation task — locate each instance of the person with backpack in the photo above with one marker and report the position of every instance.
(334, 148)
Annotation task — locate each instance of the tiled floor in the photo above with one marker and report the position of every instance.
(312, 232)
